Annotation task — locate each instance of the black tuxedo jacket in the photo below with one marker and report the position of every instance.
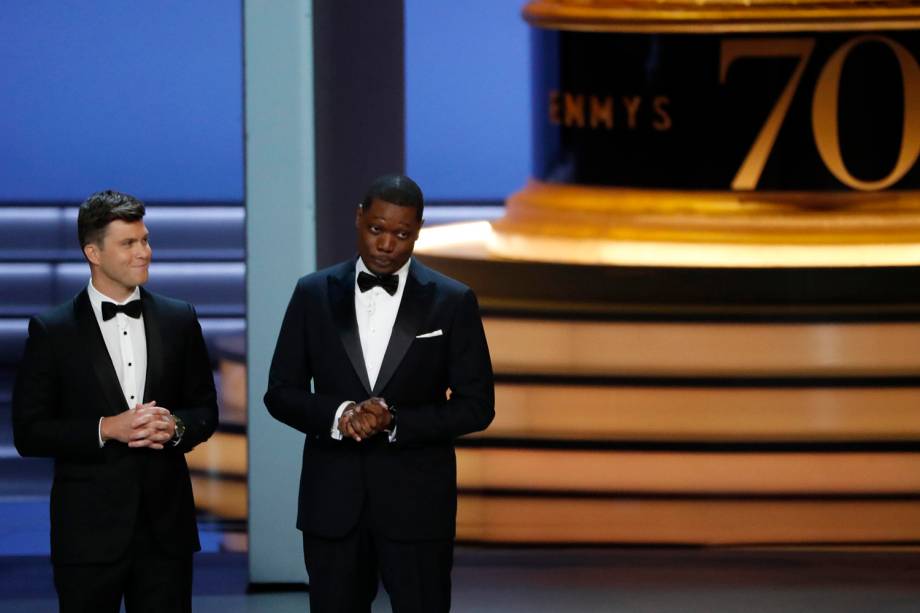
(66, 382)
(410, 485)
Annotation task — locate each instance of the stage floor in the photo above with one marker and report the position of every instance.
(576, 580)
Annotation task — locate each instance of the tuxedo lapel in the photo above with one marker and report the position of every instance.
(415, 303)
(154, 345)
(98, 355)
(342, 303)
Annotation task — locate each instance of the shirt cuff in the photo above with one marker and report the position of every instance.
(392, 437)
(334, 432)
(99, 432)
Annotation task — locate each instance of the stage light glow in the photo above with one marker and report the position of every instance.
(480, 240)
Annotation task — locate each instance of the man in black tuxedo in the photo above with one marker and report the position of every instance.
(382, 363)
(116, 386)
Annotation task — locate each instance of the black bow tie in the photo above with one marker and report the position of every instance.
(389, 283)
(132, 309)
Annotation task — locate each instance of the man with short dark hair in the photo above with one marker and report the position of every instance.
(382, 363)
(116, 386)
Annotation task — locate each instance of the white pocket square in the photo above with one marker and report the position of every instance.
(430, 334)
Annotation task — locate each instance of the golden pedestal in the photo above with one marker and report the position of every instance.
(734, 360)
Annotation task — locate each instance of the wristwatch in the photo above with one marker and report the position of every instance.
(392, 425)
(180, 430)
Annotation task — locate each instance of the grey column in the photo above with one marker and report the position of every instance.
(281, 246)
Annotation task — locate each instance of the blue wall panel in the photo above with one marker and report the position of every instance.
(141, 96)
(467, 98)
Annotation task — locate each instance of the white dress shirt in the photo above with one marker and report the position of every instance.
(376, 312)
(126, 342)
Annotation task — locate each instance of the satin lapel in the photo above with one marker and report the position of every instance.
(99, 356)
(342, 303)
(154, 346)
(415, 303)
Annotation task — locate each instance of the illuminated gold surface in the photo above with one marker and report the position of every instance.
(224, 453)
(721, 15)
(690, 414)
(620, 226)
(675, 473)
(480, 241)
(226, 499)
(650, 349)
(232, 392)
(624, 214)
(710, 522)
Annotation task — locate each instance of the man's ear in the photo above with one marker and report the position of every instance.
(91, 251)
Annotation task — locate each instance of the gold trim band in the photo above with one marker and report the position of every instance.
(724, 16)
(590, 212)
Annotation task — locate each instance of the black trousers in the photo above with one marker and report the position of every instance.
(344, 573)
(149, 580)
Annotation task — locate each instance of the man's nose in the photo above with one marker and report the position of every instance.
(385, 243)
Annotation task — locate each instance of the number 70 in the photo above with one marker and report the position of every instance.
(824, 107)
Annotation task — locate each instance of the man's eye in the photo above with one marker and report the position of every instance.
(402, 235)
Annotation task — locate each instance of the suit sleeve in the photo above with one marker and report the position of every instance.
(198, 405)
(38, 429)
(289, 398)
(471, 405)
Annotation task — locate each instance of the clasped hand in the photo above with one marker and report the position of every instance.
(146, 425)
(364, 420)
